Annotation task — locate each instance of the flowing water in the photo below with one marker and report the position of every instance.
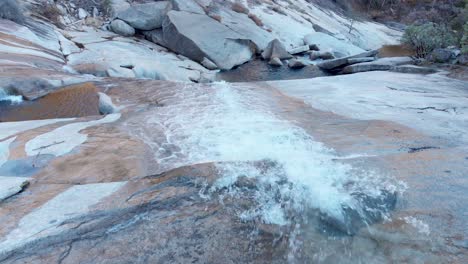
(74, 101)
(259, 70)
(281, 176)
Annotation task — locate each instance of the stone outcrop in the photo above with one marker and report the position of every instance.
(276, 49)
(198, 36)
(147, 16)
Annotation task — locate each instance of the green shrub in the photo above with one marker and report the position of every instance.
(464, 41)
(423, 39)
(9, 9)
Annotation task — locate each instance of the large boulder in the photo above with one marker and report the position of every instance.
(187, 5)
(325, 42)
(122, 28)
(145, 16)
(276, 49)
(384, 64)
(199, 36)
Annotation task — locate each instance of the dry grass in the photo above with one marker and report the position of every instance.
(216, 17)
(256, 19)
(239, 8)
(51, 12)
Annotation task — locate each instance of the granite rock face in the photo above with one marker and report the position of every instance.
(199, 36)
(147, 16)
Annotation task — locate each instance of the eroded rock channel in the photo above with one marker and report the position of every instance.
(145, 137)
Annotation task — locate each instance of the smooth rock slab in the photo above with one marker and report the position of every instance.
(145, 16)
(383, 64)
(414, 69)
(199, 36)
(341, 62)
(10, 186)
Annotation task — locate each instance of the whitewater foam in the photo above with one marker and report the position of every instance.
(236, 126)
(12, 99)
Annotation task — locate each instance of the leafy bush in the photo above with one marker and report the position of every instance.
(9, 9)
(423, 39)
(464, 41)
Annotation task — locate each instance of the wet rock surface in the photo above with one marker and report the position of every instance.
(367, 167)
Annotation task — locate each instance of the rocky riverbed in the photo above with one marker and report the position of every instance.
(148, 148)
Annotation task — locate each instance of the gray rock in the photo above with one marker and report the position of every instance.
(324, 55)
(199, 36)
(209, 64)
(82, 14)
(296, 64)
(155, 36)
(275, 49)
(463, 59)
(360, 60)
(300, 49)
(383, 64)
(105, 105)
(443, 55)
(413, 69)
(368, 210)
(147, 16)
(342, 62)
(95, 12)
(188, 6)
(314, 47)
(120, 27)
(275, 62)
(326, 42)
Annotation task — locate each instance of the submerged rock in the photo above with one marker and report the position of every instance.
(122, 28)
(145, 16)
(199, 36)
(366, 211)
(276, 49)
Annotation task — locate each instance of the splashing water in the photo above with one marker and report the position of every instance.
(237, 127)
(12, 99)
